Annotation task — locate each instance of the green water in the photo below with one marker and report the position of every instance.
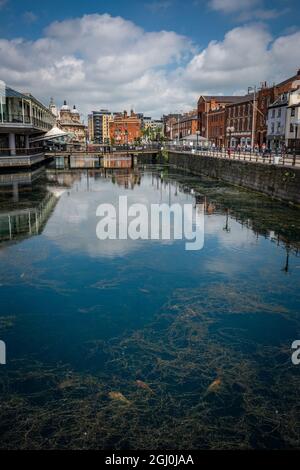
(208, 332)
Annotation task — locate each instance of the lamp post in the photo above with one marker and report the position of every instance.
(229, 130)
(126, 134)
(197, 134)
(253, 89)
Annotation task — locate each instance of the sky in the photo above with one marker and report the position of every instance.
(155, 56)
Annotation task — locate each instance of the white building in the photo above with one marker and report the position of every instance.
(277, 122)
(292, 129)
(22, 117)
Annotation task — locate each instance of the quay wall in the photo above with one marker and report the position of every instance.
(277, 181)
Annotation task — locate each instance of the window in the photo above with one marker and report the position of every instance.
(291, 128)
(272, 128)
(279, 112)
(293, 112)
(273, 113)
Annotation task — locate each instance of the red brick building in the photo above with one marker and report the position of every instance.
(238, 122)
(207, 104)
(216, 126)
(185, 125)
(125, 128)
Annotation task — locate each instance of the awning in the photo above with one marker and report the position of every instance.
(54, 133)
(193, 138)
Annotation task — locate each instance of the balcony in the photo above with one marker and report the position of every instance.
(19, 122)
(21, 157)
(20, 111)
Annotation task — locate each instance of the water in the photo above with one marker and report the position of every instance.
(208, 332)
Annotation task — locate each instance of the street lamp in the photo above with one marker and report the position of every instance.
(126, 134)
(197, 134)
(253, 88)
(229, 130)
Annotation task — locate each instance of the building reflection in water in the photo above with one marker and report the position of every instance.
(25, 205)
(27, 200)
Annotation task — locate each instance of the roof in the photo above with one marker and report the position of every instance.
(280, 101)
(188, 117)
(10, 93)
(194, 138)
(242, 99)
(54, 133)
(223, 99)
(291, 79)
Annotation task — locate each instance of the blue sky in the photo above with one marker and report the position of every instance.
(194, 18)
(190, 45)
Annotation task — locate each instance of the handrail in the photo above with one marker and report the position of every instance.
(28, 120)
(267, 157)
(21, 151)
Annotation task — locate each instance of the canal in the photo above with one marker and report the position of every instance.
(138, 344)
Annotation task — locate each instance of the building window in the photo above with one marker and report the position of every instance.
(291, 128)
(293, 112)
(279, 112)
(273, 113)
(272, 128)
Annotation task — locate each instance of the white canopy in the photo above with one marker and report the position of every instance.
(54, 133)
(193, 138)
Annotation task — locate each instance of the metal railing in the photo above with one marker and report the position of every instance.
(20, 151)
(99, 150)
(25, 120)
(266, 157)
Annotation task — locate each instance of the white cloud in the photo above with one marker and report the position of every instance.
(230, 6)
(30, 17)
(233, 61)
(115, 62)
(99, 61)
(156, 7)
(246, 10)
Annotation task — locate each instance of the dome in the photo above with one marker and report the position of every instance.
(65, 107)
(74, 110)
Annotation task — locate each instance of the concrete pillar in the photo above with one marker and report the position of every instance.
(15, 192)
(27, 141)
(12, 143)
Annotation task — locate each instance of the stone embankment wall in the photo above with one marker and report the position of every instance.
(276, 181)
